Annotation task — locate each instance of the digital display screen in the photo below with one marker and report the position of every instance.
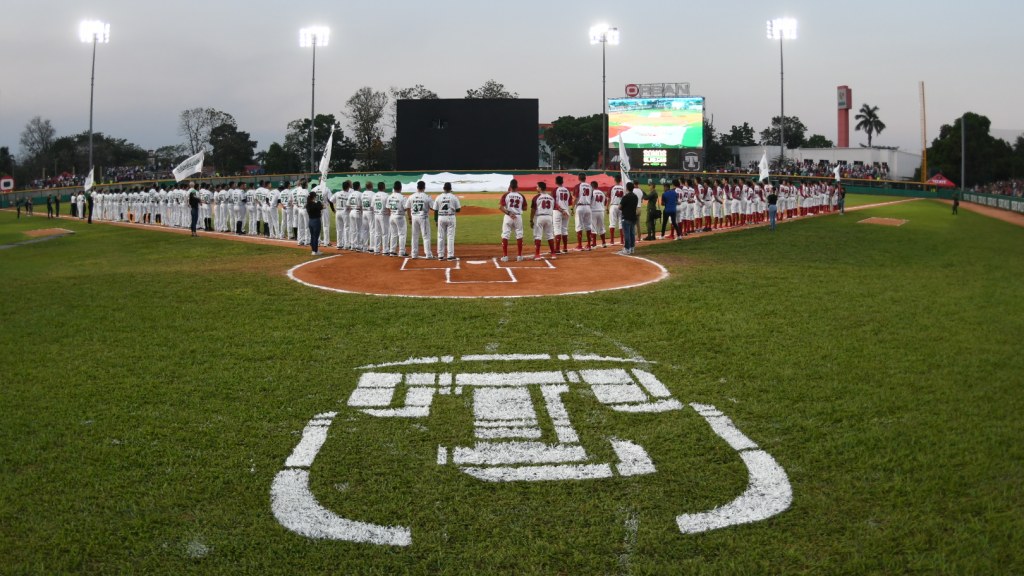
(656, 158)
(656, 122)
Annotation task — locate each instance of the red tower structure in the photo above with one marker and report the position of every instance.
(845, 99)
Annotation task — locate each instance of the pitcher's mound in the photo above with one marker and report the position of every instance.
(884, 221)
(478, 273)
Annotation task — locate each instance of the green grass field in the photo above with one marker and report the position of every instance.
(154, 384)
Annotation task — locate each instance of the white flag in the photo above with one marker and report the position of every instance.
(836, 171)
(189, 166)
(623, 161)
(89, 181)
(325, 160)
(763, 166)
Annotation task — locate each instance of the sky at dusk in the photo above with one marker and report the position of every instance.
(244, 58)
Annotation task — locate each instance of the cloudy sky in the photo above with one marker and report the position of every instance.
(244, 58)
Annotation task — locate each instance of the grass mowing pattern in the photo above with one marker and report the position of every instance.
(154, 384)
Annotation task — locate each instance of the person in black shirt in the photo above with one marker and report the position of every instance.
(193, 205)
(314, 208)
(630, 207)
(49, 206)
(773, 209)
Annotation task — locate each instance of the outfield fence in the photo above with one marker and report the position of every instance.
(1011, 203)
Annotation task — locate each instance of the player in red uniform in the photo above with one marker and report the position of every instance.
(560, 218)
(582, 195)
(542, 209)
(614, 212)
(512, 204)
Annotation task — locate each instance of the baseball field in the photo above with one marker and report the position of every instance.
(836, 397)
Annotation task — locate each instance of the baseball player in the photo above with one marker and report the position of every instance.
(324, 195)
(252, 211)
(355, 215)
(366, 202)
(512, 204)
(614, 210)
(445, 207)
(288, 203)
(381, 232)
(420, 206)
(582, 197)
(339, 205)
(542, 209)
(560, 218)
(597, 215)
(397, 206)
(301, 216)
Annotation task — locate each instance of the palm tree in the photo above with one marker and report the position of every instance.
(868, 121)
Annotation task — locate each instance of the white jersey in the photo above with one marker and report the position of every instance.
(397, 205)
(340, 199)
(420, 205)
(380, 203)
(447, 204)
(616, 194)
(543, 204)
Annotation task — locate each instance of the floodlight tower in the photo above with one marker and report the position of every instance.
(95, 32)
(312, 37)
(782, 29)
(603, 35)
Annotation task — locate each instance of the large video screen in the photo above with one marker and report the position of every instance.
(656, 122)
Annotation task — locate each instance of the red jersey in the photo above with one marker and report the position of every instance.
(563, 198)
(583, 194)
(513, 203)
(543, 204)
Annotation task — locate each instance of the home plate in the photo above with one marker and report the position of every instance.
(476, 262)
(884, 221)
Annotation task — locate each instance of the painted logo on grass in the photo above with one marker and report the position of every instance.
(510, 444)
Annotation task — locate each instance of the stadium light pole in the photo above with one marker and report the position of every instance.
(95, 32)
(782, 29)
(603, 35)
(313, 36)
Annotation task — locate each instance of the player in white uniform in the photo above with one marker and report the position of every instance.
(251, 210)
(287, 211)
(420, 206)
(542, 209)
(355, 215)
(381, 233)
(301, 216)
(446, 206)
(614, 211)
(582, 196)
(274, 202)
(339, 205)
(560, 218)
(366, 201)
(511, 205)
(598, 200)
(397, 207)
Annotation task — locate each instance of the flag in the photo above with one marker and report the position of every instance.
(623, 161)
(89, 180)
(836, 171)
(763, 167)
(189, 166)
(325, 160)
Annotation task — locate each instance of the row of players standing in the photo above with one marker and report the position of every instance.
(703, 205)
